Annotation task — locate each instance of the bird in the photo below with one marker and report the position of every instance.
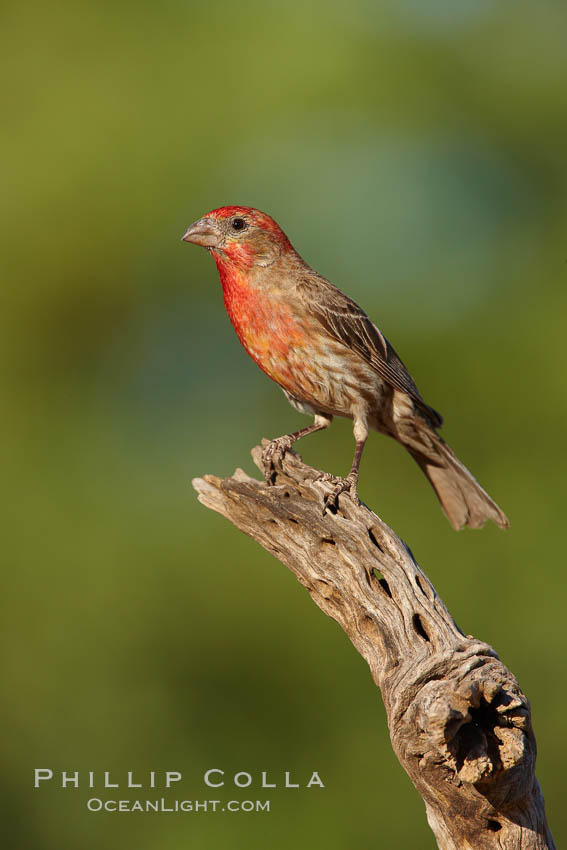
(329, 359)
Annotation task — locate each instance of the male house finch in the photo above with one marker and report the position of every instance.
(328, 357)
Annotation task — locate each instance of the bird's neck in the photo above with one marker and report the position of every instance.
(263, 322)
(244, 297)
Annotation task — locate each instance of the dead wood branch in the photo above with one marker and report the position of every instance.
(459, 723)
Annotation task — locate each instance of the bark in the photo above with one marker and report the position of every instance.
(459, 723)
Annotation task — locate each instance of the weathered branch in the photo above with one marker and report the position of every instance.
(459, 723)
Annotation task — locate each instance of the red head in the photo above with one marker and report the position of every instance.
(239, 236)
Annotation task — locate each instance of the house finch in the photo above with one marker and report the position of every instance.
(328, 358)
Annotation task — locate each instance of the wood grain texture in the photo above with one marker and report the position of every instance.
(459, 722)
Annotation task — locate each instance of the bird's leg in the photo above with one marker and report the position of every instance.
(273, 453)
(349, 484)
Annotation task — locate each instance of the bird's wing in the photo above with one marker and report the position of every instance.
(347, 322)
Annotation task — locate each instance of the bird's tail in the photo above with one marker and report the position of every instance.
(463, 500)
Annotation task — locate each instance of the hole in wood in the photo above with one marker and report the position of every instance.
(418, 626)
(494, 826)
(294, 521)
(382, 582)
(478, 734)
(328, 540)
(419, 584)
(286, 495)
(373, 539)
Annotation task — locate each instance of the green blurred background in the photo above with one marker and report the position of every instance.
(415, 153)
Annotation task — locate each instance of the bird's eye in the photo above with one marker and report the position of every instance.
(238, 224)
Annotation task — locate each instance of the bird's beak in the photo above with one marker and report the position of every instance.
(203, 232)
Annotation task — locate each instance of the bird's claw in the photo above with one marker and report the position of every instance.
(272, 456)
(342, 485)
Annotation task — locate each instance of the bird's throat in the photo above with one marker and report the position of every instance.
(264, 324)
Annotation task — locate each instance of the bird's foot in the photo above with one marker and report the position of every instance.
(342, 485)
(272, 456)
